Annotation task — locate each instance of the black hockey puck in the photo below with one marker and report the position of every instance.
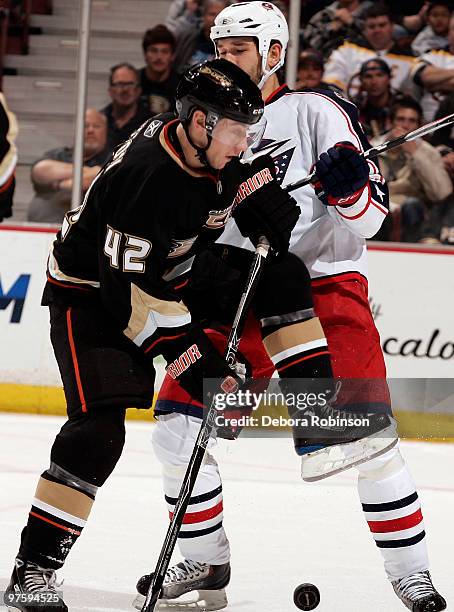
(306, 596)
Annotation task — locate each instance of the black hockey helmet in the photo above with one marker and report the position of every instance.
(222, 90)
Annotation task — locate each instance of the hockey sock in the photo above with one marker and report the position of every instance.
(56, 520)
(393, 513)
(202, 537)
(298, 350)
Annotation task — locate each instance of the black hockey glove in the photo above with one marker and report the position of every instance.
(342, 174)
(192, 359)
(263, 208)
(214, 288)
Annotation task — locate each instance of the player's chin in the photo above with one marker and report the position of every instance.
(221, 163)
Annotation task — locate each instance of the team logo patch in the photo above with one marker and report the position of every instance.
(218, 218)
(152, 128)
(217, 76)
(268, 6)
(180, 247)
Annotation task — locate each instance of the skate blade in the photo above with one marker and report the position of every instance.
(333, 460)
(200, 601)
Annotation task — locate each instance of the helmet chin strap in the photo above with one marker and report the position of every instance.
(201, 151)
(266, 74)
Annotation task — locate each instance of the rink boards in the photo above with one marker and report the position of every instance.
(411, 294)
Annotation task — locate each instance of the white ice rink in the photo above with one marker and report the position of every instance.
(282, 531)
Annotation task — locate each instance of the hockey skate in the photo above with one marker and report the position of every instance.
(189, 585)
(328, 443)
(33, 589)
(418, 593)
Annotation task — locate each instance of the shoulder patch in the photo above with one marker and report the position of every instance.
(152, 128)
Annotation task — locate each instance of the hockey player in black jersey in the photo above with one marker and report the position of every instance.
(115, 275)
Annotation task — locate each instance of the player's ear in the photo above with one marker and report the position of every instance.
(198, 119)
(274, 54)
(198, 127)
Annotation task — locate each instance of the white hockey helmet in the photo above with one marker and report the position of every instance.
(261, 20)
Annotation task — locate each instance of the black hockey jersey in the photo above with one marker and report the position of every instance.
(132, 240)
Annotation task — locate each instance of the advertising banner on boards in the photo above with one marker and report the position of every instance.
(411, 293)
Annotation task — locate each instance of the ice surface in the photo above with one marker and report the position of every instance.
(282, 531)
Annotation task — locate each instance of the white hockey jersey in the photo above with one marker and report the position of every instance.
(300, 127)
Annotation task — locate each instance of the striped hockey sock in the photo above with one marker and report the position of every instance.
(298, 350)
(55, 522)
(203, 516)
(202, 537)
(393, 513)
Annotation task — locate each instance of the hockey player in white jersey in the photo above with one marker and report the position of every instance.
(347, 205)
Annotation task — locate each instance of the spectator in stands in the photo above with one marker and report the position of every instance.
(328, 28)
(435, 73)
(375, 97)
(309, 8)
(126, 112)
(435, 34)
(191, 22)
(310, 70)
(440, 224)
(203, 48)
(52, 175)
(416, 176)
(158, 78)
(444, 139)
(8, 159)
(183, 15)
(409, 14)
(345, 62)
(446, 225)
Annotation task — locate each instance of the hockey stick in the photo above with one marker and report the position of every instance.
(206, 429)
(386, 146)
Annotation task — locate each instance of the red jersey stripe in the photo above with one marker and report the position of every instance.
(360, 214)
(339, 108)
(161, 339)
